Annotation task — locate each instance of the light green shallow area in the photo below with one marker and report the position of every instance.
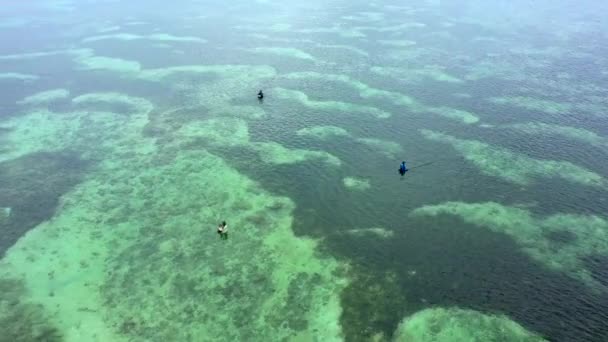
(389, 148)
(323, 132)
(45, 97)
(513, 167)
(234, 132)
(217, 95)
(283, 52)
(410, 75)
(455, 114)
(135, 104)
(365, 16)
(365, 91)
(34, 55)
(573, 133)
(397, 43)
(546, 90)
(132, 253)
(352, 49)
(455, 324)
(329, 105)
(537, 236)
(275, 153)
(302, 54)
(345, 32)
(391, 28)
(243, 72)
(57, 131)
(18, 76)
(5, 213)
(376, 232)
(162, 37)
(233, 76)
(85, 59)
(357, 184)
(92, 62)
(399, 99)
(546, 106)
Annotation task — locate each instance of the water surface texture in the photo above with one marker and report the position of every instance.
(130, 129)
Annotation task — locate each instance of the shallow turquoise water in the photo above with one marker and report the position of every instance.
(498, 214)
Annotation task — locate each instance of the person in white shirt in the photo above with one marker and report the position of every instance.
(222, 229)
